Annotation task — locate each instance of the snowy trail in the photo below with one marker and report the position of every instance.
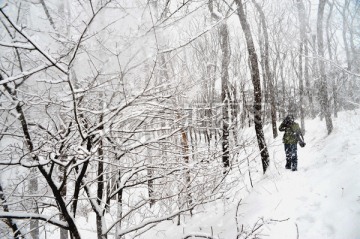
(321, 200)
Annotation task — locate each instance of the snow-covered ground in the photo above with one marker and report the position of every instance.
(320, 200)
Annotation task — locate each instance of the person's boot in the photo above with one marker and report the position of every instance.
(294, 167)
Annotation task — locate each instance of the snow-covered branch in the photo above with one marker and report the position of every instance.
(79, 41)
(197, 36)
(334, 64)
(23, 215)
(24, 74)
(34, 44)
(17, 45)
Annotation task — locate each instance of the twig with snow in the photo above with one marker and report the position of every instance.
(25, 74)
(33, 43)
(197, 36)
(237, 221)
(22, 215)
(17, 45)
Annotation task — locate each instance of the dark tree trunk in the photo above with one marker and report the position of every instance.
(225, 94)
(63, 232)
(255, 77)
(10, 222)
(100, 188)
(119, 209)
(185, 148)
(268, 73)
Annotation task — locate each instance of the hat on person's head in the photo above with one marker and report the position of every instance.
(290, 118)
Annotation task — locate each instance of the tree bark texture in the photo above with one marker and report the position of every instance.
(225, 94)
(308, 90)
(268, 73)
(301, 14)
(9, 222)
(255, 77)
(324, 102)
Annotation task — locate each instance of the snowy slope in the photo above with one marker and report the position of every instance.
(321, 200)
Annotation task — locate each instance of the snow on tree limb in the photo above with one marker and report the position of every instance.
(32, 42)
(17, 45)
(23, 215)
(198, 35)
(334, 64)
(24, 74)
(156, 220)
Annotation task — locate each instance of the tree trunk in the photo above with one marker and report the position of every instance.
(119, 209)
(268, 73)
(334, 78)
(344, 33)
(301, 14)
(33, 183)
(307, 80)
(323, 84)
(100, 190)
(255, 77)
(63, 232)
(282, 67)
(185, 149)
(225, 94)
(315, 70)
(150, 173)
(10, 222)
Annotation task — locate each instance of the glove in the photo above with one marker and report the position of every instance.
(286, 124)
(302, 144)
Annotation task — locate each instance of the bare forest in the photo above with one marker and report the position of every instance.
(133, 112)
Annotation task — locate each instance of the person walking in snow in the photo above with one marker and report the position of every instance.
(291, 137)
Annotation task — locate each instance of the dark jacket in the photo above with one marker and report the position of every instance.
(292, 132)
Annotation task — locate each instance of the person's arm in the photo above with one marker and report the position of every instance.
(283, 126)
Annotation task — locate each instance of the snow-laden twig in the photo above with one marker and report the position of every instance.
(25, 74)
(23, 215)
(140, 144)
(237, 220)
(354, 103)
(155, 220)
(32, 42)
(333, 63)
(17, 45)
(80, 40)
(197, 36)
(76, 114)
